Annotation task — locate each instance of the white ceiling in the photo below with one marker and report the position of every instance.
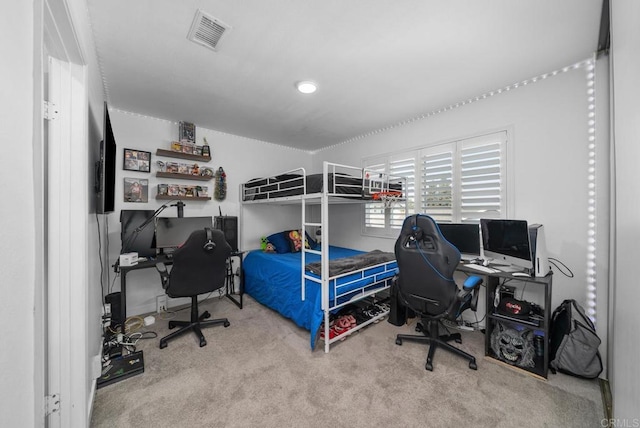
(377, 62)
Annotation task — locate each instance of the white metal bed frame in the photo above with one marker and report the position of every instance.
(372, 182)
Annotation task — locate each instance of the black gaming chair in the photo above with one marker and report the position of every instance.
(426, 262)
(199, 267)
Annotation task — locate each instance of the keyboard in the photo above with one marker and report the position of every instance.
(481, 268)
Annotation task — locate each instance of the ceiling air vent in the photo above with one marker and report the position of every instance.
(207, 30)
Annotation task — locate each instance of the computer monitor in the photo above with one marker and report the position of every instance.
(172, 232)
(506, 242)
(136, 236)
(464, 236)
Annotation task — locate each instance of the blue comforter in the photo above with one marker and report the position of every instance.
(274, 280)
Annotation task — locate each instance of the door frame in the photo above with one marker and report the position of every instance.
(65, 216)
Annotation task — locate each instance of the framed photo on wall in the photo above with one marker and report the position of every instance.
(137, 160)
(187, 131)
(136, 190)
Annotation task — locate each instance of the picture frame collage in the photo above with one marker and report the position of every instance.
(136, 189)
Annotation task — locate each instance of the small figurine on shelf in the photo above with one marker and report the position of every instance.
(195, 170)
(206, 150)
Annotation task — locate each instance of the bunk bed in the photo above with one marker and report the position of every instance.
(310, 285)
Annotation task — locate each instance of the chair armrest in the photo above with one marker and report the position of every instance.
(164, 274)
(469, 293)
(472, 282)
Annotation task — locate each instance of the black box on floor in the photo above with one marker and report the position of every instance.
(121, 368)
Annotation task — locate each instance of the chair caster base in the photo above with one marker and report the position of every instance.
(458, 340)
(473, 365)
(399, 342)
(226, 324)
(429, 366)
(163, 344)
(203, 343)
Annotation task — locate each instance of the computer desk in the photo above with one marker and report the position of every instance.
(229, 281)
(494, 280)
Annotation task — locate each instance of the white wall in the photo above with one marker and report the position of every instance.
(548, 180)
(625, 347)
(242, 160)
(17, 243)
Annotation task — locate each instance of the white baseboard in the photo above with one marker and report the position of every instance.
(150, 308)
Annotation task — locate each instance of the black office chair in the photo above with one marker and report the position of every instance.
(199, 267)
(425, 284)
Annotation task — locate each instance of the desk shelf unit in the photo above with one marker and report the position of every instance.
(538, 327)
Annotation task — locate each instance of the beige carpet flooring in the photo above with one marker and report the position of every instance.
(260, 372)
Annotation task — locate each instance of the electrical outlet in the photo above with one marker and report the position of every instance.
(161, 303)
(106, 309)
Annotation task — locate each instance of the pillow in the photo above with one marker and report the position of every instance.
(280, 241)
(293, 237)
(295, 245)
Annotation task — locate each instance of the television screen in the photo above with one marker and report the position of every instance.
(105, 180)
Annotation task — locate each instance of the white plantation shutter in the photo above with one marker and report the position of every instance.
(436, 182)
(403, 166)
(482, 189)
(458, 181)
(374, 213)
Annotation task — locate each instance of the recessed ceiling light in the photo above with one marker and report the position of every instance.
(306, 87)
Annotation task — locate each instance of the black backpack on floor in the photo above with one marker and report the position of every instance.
(573, 345)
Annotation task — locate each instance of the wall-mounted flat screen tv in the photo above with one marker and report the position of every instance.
(105, 168)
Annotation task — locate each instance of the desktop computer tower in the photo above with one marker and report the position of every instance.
(538, 245)
(229, 225)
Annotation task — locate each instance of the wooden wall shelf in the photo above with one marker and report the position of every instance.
(183, 176)
(180, 155)
(183, 198)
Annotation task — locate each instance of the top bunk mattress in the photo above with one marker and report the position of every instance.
(339, 184)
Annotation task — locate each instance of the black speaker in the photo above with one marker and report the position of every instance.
(114, 300)
(229, 225)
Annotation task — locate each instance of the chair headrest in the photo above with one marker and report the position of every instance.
(416, 231)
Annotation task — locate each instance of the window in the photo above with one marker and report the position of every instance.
(458, 181)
